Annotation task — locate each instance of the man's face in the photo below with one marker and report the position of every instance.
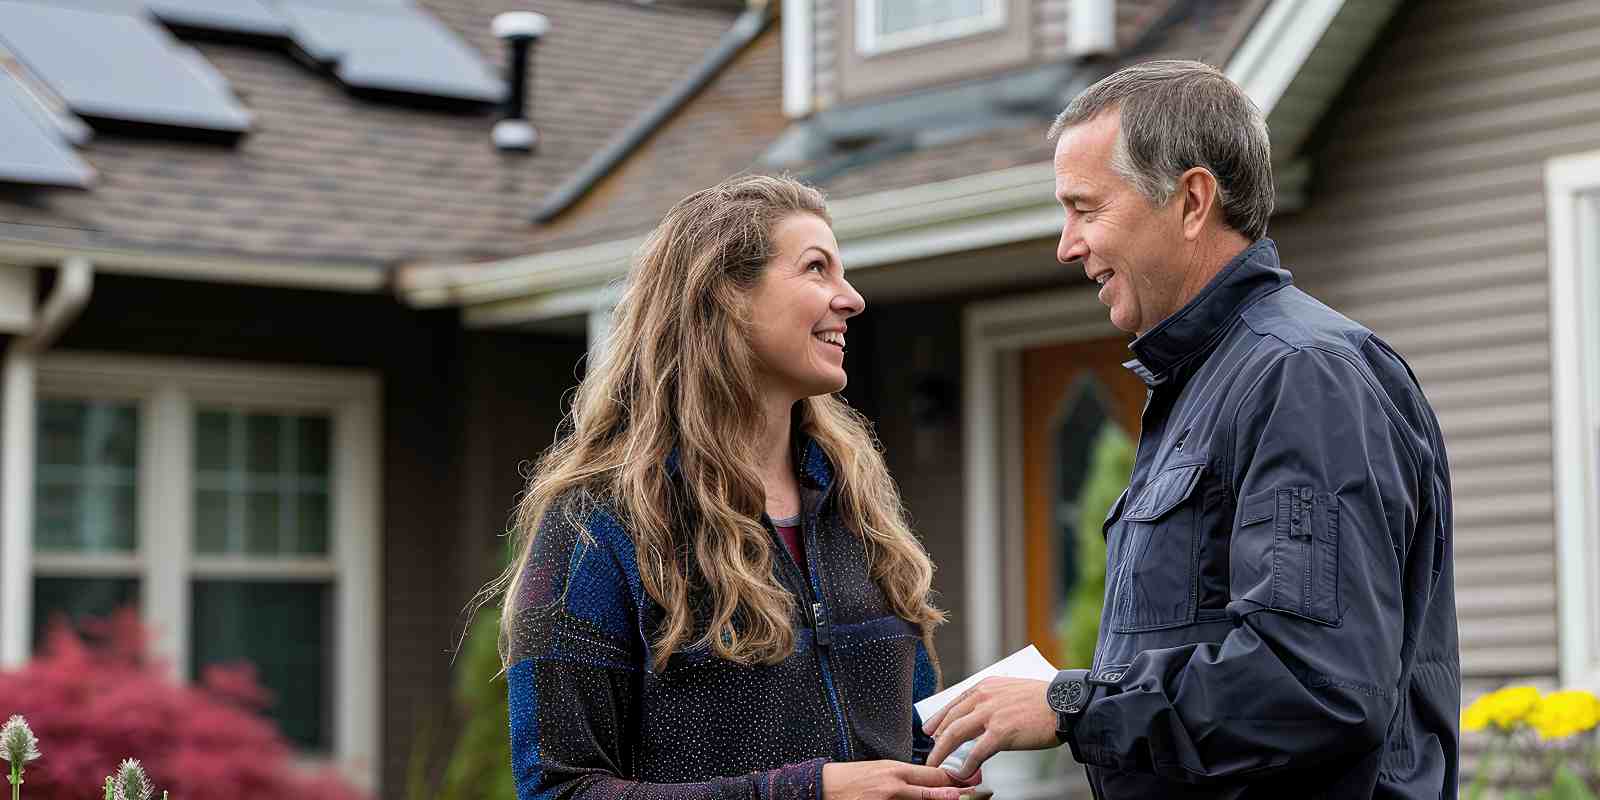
(1131, 247)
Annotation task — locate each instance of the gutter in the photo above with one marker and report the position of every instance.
(749, 25)
(18, 392)
(333, 273)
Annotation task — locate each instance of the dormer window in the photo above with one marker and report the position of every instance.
(887, 25)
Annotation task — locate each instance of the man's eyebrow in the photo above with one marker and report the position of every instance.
(1070, 196)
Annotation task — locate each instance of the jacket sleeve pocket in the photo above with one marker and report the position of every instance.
(1286, 553)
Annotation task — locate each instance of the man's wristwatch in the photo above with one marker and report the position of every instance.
(1068, 696)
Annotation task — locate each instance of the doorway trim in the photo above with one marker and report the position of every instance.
(994, 334)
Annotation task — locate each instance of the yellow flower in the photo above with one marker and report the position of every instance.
(1505, 708)
(1561, 714)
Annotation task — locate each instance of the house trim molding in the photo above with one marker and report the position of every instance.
(332, 274)
(799, 65)
(1572, 194)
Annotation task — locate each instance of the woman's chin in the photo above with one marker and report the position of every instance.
(831, 383)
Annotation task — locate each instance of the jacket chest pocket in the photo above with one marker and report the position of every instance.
(1155, 565)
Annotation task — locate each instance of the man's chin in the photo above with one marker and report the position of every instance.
(1124, 323)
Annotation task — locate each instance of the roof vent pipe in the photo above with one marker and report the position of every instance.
(1092, 28)
(520, 30)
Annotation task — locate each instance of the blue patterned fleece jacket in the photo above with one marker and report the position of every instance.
(592, 718)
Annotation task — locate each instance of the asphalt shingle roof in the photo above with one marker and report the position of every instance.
(327, 176)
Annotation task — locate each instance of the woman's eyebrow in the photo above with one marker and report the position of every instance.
(826, 256)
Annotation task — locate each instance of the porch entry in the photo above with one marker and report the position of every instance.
(1071, 393)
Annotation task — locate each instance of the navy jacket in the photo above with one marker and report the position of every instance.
(1280, 606)
(592, 718)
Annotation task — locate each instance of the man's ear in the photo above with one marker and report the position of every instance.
(1198, 189)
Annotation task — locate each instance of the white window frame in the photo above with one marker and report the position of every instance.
(167, 393)
(1572, 194)
(869, 42)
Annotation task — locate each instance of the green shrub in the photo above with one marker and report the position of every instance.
(1109, 467)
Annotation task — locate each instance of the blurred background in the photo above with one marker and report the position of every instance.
(292, 290)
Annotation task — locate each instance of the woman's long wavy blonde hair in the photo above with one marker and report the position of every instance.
(678, 373)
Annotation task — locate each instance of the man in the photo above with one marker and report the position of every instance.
(1279, 614)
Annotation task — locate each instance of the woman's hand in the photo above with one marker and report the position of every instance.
(889, 780)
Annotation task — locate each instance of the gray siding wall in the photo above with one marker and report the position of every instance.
(1427, 223)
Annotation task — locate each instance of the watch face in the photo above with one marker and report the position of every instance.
(1066, 696)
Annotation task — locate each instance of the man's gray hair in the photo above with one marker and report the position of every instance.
(1177, 115)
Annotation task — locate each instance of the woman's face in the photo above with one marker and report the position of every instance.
(799, 310)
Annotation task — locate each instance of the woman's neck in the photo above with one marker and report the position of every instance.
(776, 458)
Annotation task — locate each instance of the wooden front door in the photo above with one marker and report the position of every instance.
(1071, 392)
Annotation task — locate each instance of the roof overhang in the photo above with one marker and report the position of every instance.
(327, 275)
(1293, 61)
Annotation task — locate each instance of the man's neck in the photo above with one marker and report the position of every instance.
(1205, 260)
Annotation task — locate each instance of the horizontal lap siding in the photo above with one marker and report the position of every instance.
(1427, 223)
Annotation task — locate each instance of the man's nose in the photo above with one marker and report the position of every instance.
(1071, 247)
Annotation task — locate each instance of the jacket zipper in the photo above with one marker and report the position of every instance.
(822, 634)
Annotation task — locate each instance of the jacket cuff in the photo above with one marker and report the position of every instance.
(1085, 749)
(802, 781)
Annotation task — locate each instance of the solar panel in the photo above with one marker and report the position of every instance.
(120, 70)
(391, 47)
(34, 154)
(249, 17)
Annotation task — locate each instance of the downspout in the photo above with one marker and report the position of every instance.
(18, 405)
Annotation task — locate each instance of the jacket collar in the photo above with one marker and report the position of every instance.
(815, 469)
(1194, 328)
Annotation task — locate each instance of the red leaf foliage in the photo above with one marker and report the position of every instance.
(99, 698)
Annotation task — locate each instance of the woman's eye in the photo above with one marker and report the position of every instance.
(817, 266)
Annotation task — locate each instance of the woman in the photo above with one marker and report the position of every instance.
(717, 593)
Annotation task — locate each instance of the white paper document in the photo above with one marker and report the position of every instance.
(1025, 663)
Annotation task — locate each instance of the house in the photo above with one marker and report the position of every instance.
(1438, 168)
(275, 379)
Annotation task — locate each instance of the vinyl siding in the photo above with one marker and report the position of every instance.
(1427, 223)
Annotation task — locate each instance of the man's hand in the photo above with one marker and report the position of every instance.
(888, 780)
(1001, 714)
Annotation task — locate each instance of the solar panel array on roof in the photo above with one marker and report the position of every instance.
(33, 153)
(120, 69)
(391, 47)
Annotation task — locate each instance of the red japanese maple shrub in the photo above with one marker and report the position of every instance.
(96, 699)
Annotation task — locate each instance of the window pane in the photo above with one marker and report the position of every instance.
(76, 599)
(211, 525)
(285, 630)
(262, 523)
(86, 476)
(314, 440)
(262, 484)
(313, 527)
(897, 16)
(211, 439)
(264, 437)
